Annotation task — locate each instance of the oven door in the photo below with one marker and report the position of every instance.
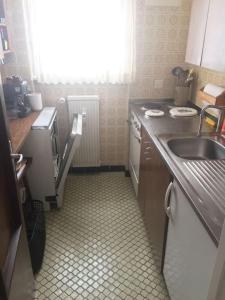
(73, 142)
(134, 157)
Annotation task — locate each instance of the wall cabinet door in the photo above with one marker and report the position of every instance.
(214, 46)
(197, 28)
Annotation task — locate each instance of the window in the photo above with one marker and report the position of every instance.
(81, 41)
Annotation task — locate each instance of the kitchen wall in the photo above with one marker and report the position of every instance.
(160, 44)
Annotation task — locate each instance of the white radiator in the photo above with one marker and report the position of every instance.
(88, 154)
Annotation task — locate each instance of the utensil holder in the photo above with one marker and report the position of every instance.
(181, 95)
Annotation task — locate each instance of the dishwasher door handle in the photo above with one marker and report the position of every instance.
(167, 199)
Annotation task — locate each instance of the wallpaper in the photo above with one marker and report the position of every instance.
(161, 36)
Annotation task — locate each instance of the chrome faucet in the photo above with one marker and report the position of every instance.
(219, 121)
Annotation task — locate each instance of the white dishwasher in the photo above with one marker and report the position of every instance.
(190, 252)
(47, 174)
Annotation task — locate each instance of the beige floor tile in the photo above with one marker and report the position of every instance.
(97, 246)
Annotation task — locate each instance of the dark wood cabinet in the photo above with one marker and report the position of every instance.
(153, 181)
(16, 278)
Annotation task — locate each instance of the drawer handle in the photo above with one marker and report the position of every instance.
(148, 148)
(148, 158)
(166, 200)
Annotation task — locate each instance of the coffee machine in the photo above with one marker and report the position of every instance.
(15, 92)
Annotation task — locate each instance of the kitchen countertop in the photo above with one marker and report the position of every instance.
(19, 130)
(157, 127)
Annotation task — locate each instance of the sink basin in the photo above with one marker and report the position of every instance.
(196, 148)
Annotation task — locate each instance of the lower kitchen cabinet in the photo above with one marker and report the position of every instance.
(154, 178)
(190, 252)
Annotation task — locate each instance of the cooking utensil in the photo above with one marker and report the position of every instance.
(177, 71)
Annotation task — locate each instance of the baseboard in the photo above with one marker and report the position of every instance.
(82, 170)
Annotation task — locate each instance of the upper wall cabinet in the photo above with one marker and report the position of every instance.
(214, 46)
(196, 36)
(206, 39)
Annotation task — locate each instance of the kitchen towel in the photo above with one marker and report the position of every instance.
(214, 90)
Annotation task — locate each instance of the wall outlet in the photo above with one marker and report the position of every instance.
(158, 83)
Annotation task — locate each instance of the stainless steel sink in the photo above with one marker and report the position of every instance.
(196, 148)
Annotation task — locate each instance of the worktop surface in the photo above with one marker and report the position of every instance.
(19, 130)
(203, 203)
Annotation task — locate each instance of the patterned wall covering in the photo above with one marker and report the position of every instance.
(161, 41)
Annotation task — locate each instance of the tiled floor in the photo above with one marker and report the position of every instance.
(97, 246)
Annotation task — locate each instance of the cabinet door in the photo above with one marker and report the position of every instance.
(154, 179)
(16, 278)
(144, 172)
(199, 14)
(214, 47)
(190, 252)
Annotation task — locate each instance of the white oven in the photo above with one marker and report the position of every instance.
(135, 149)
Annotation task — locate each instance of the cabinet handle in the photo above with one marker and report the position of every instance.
(17, 158)
(166, 200)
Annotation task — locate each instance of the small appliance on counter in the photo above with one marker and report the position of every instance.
(15, 92)
(35, 101)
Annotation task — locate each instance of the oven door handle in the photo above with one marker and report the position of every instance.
(135, 136)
